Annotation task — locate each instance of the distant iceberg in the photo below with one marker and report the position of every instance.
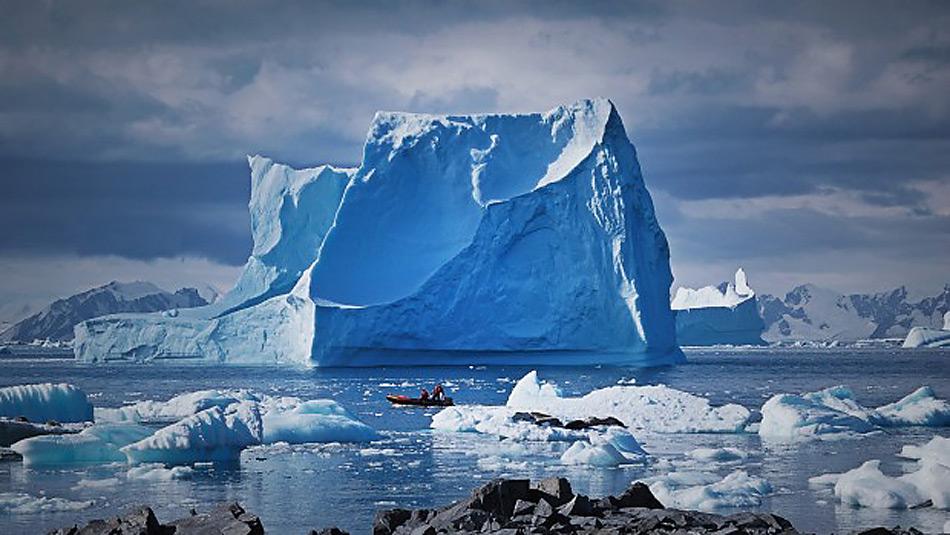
(927, 337)
(727, 314)
(526, 239)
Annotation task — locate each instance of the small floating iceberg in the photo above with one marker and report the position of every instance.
(213, 434)
(706, 491)
(176, 408)
(834, 413)
(657, 409)
(868, 486)
(43, 402)
(323, 420)
(96, 444)
(614, 447)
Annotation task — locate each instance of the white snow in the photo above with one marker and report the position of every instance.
(18, 503)
(834, 413)
(100, 443)
(711, 296)
(937, 450)
(457, 239)
(213, 434)
(43, 402)
(707, 491)
(719, 455)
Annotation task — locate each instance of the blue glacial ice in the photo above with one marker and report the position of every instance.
(42, 402)
(525, 239)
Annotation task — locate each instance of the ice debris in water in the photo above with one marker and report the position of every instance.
(614, 447)
(159, 472)
(100, 443)
(21, 503)
(868, 486)
(834, 413)
(295, 422)
(707, 491)
(43, 402)
(174, 409)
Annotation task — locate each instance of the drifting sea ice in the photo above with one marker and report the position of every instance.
(613, 447)
(100, 443)
(176, 408)
(868, 486)
(158, 472)
(213, 434)
(43, 402)
(834, 413)
(324, 420)
(657, 409)
(707, 491)
(21, 503)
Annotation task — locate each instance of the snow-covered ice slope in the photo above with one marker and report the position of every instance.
(42, 402)
(459, 239)
(728, 314)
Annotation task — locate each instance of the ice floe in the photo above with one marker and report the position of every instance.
(322, 420)
(213, 434)
(19, 503)
(174, 409)
(42, 402)
(834, 413)
(708, 491)
(97, 444)
(868, 486)
(159, 472)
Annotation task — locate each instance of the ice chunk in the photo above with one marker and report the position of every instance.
(651, 408)
(42, 402)
(922, 407)
(707, 491)
(937, 450)
(213, 434)
(721, 455)
(174, 409)
(314, 421)
(19, 503)
(593, 454)
(834, 413)
(498, 421)
(100, 443)
(158, 472)
(928, 337)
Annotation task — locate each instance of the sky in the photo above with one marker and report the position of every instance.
(802, 141)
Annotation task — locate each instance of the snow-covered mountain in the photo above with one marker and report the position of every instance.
(56, 321)
(809, 312)
(714, 315)
(525, 239)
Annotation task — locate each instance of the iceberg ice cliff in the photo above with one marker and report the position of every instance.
(728, 314)
(525, 239)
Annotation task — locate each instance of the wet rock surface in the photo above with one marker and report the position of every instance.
(516, 506)
(230, 519)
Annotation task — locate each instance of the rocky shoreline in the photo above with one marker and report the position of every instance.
(502, 506)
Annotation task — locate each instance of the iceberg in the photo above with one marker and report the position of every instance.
(43, 402)
(728, 314)
(96, 444)
(927, 337)
(527, 239)
(707, 491)
(176, 408)
(213, 434)
(834, 413)
(868, 486)
(653, 409)
(314, 421)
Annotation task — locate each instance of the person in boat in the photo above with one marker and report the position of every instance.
(424, 395)
(437, 393)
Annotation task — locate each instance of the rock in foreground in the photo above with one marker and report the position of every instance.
(230, 519)
(550, 506)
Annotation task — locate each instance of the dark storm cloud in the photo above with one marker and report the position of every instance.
(726, 102)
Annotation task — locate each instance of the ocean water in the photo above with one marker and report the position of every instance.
(297, 488)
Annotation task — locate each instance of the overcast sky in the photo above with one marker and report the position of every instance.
(805, 142)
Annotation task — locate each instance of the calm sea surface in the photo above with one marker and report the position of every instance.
(295, 489)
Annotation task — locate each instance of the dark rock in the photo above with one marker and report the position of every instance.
(556, 490)
(17, 429)
(328, 531)
(499, 496)
(593, 421)
(140, 521)
(896, 530)
(386, 522)
(9, 455)
(638, 495)
(229, 518)
(578, 506)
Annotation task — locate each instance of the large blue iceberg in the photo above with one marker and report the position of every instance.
(527, 239)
